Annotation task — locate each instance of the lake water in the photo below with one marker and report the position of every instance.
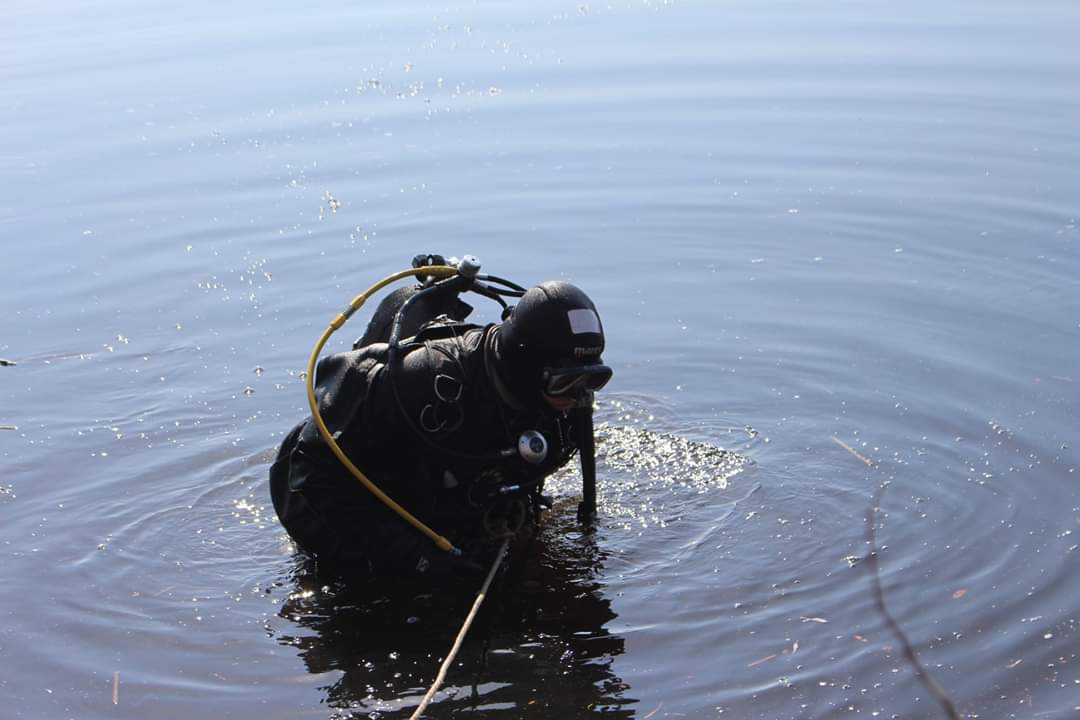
(817, 233)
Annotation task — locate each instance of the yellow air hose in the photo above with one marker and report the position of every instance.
(438, 271)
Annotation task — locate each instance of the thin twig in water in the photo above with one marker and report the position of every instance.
(7, 363)
(765, 659)
(879, 599)
(867, 461)
(461, 635)
(116, 687)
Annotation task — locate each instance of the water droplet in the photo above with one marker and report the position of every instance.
(331, 201)
(248, 390)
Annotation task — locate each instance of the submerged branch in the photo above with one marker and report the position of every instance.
(8, 363)
(879, 599)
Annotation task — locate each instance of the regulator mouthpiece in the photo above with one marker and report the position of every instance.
(532, 447)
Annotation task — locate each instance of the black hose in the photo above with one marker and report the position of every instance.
(491, 294)
(515, 289)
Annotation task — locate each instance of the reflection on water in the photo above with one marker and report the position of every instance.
(540, 645)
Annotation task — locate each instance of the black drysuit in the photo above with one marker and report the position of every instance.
(434, 448)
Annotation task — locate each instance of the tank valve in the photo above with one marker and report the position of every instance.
(468, 266)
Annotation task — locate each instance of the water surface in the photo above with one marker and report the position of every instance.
(807, 226)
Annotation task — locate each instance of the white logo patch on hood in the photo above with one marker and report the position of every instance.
(583, 321)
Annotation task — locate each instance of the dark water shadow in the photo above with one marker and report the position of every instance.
(539, 647)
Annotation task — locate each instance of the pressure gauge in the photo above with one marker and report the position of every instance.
(532, 447)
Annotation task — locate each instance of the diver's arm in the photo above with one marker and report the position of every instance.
(583, 425)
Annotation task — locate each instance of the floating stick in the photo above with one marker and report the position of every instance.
(853, 451)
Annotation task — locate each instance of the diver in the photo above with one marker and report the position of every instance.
(458, 423)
